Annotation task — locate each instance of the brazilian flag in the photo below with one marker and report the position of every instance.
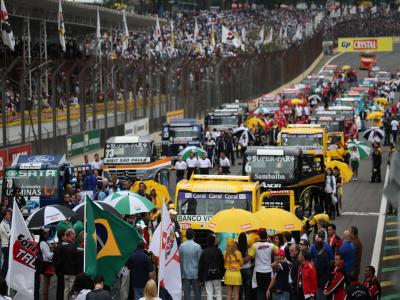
(110, 242)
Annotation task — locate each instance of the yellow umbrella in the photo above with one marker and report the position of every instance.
(296, 101)
(254, 122)
(382, 101)
(233, 220)
(162, 191)
(345, 170)
(346, 67)
(278, 220)
(375, 115)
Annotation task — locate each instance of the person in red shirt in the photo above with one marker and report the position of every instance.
(371, 282)
(334, 241)
(394, 109)
(335, 287)
(306, 277)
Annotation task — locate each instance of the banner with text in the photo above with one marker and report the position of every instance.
(80, 143)
(373, 44)
(176, 114)
(7, 155)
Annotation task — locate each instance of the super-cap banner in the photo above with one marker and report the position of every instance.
(373, 44)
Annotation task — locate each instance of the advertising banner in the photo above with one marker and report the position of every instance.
(374, 44)
(78, 144)
(176, 114)
(138, 128)
(8, 155)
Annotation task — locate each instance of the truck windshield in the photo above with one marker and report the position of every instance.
(208, 204)
(184, 132)
(263, 167)
(310, 141)
(231, 121)
(127, 153)
(34, 183)
(346, 113)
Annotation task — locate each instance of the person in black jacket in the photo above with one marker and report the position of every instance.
(67, 260)
(99, 293)
(211, 268)
(294, 250)
(322, 264)
(376, 164)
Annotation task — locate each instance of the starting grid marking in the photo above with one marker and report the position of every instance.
(358, 213)
(390, 261)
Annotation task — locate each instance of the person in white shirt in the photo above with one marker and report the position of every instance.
(180, 167)
(306, 110)
(224, 163)
(46, 265)
(192, 163)
(299, 111)
(354, 162)
(97, 163)
(330, 191)
(244, 142)
(262, 253)
(204, 164)
(5, 232)
(395, 128)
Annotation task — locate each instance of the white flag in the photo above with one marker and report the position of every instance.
(388, 8)
(212, 38)
(22, 256)
(353, 10)
(243, 34)
(196, 30)
(7, 34)
(164, 245)
(61, 28)
(362, 8)
(125, 35)
(157, 31)
(269, 39)
(228, 37)
(373, 10)
(260, 37)
(285, 33)
(98, 34)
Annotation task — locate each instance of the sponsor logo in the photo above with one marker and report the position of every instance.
(371, 44)
(25, 251)
(193, 218)
(271, 185)
(245, 226)
(41, 158)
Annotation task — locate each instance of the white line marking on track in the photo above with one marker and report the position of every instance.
(332, 58)
(376, 254)
(359, 213)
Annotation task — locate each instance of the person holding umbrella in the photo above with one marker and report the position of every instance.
(376, 164)
(354, 162)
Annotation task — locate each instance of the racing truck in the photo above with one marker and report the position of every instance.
(178, 134)
(134, 157)
(222, 119)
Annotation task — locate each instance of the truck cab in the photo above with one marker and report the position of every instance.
(40, 178)
(223, 119)
(135, 157)
(178, 134)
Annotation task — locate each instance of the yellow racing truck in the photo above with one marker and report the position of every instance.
(201, 197)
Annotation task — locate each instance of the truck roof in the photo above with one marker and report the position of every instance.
(38, 161)
(128, 139)
(274, 150)
(183, 122)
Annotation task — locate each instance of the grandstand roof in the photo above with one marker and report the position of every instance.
(76, 13)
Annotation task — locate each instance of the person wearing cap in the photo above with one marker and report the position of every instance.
(177, 228)
(262, 253)
(189, 254)
(279, 286)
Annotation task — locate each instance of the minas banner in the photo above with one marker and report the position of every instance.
(373, 44)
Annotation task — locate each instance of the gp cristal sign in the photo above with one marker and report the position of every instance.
(374, 44)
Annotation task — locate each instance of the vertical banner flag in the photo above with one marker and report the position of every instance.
(157, 31)
(172, 35)
(125, 35)
(269, 39)
(229, 38)
(7, 34)
(196, 30)
(61, 28)
(22, 257)
(164, 245)
(260, 37)
(212, 38)
(110, 241)
(98, 34)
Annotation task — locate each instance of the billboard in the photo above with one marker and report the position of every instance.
(138, 128)
(8, 155)
(80, 143)
(176, 114)
(373, 44)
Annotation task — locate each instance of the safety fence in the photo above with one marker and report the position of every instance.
(90, 94)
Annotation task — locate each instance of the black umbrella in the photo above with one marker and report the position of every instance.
(239, 131)
(48, 215)
(314, 97)
(80, 209)
(374, 134)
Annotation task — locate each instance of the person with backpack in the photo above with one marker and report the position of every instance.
(211, 269)
(372, 283)
(335, 287)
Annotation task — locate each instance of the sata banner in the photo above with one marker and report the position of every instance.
(374, 44)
